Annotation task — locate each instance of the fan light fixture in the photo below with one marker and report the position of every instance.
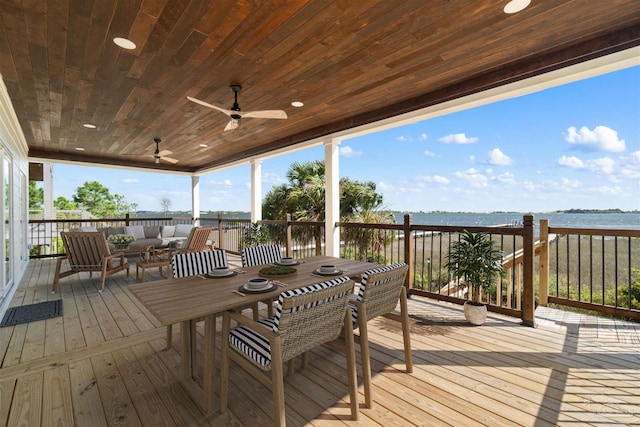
(297, 104)
(515, 6)
(124, 43)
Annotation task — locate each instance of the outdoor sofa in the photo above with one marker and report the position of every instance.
(160, 236)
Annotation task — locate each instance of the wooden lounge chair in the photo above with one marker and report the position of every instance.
(88, 251)
(306, 318)
(380, 291)
(197, 240)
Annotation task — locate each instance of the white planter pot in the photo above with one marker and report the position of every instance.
(475, 314)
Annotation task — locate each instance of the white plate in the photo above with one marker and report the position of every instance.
(215, 276)
(324, 273)
(248, 287)
(289, 264)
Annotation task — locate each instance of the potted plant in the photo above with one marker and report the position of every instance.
(121, 241)
(474, 260)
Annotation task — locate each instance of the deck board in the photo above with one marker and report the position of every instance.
(104, 363)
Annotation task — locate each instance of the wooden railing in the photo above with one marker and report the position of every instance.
(553, 267)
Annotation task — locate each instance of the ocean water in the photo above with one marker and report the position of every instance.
(586, 220)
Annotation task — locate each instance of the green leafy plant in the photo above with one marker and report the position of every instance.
(475, 260)
(121, 239)
(255, 234)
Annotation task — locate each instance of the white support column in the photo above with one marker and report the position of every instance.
(256, 190)
(332, 196)
(195, 198)
(47, 179)
(48, 209)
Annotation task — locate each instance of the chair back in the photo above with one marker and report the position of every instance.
(262, 254)
(85, 249)
(197, 239)
(380, 288)
(193, 263)
(310, 316)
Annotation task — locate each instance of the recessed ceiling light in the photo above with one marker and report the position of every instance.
(79, 149)
(124, 43)
(89, 126)
(297, 104)
(203, 145)
(515, 6)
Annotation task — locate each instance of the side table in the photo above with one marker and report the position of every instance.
(151, 257)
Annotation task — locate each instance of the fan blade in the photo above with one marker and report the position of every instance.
(232, 125)
(265, 114)
(206, 104)
(164, 153)
(168, 159)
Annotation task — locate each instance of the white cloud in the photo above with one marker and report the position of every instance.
(435, 179)
(347, 151)
(224, 183)
(273, 179)
(497, 157)
(572, 162)
(606, 190)
(473, 177)
(429, 153)
(423, 136)
(130, 180)
(569, 183)
(382, 186)
(601, 138)
(507, 178)
(458, 138)
(604, 165)
(403, 138)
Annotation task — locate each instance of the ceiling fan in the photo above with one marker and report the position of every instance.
(161, 155)
(235, 114)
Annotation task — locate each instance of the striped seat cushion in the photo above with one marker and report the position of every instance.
(193, 263)
(253, 344)
(258, 255)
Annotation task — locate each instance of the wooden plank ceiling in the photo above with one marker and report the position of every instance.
(350, 62)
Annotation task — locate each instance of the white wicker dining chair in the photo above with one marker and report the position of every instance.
(380, 291)
(305, 318)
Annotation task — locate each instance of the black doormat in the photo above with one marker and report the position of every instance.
(32, 312)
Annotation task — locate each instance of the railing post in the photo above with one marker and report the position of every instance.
(543, 271)
(408, 251)
(528, 256)
(289, 240)
(220, 231)
(126, 219)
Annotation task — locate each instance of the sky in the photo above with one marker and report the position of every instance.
(575, 146)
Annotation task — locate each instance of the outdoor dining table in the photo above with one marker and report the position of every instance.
(189, 299)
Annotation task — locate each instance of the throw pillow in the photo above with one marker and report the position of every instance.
(183, 230)
(86, 229)
(151, 231)
(112, 231)
(136, 231)
(168, 231)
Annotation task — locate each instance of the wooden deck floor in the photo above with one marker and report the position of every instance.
(103, 363)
